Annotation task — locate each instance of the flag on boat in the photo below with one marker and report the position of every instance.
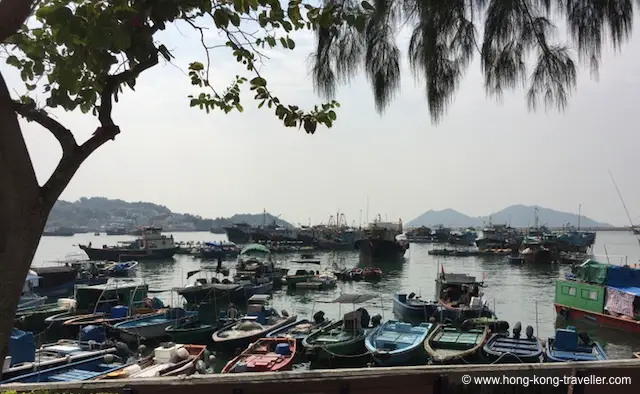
(442, 270)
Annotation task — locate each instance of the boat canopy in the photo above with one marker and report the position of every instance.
(591, 271)
(625, 279)
(254, 249)
(353, 298)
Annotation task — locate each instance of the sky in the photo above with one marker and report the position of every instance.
(483, 156)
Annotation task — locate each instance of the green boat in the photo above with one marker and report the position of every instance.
(195, 333)
(33, 319)
(451, 345)
(344, 338)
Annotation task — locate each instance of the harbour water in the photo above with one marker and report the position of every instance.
(519, 293)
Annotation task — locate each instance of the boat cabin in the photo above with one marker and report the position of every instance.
(129, 292)
(459, 290)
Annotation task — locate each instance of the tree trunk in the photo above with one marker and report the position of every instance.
(22, 215)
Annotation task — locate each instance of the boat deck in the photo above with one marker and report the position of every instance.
(451, 338)
(335, 335)
(395, 338)
(519, 346)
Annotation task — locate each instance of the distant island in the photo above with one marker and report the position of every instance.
(100, 214)
(515, 215)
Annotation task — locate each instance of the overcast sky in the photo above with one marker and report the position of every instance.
(481, 158)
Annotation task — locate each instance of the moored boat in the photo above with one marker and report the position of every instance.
(33, 318)
(264, 355)
(150, 327)
(395, 343)
(450, 345)
(568, 345)
(300, 329)
(502, 348)
(600, 294)
(258, 322)
(414, 309)
(90, 368)
(460, 297)
(382, 241)
(152, 245)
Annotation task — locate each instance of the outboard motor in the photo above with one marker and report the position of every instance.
(411, 295)
(529, 332)
(284, 313)
(517, 329)
(318, 317)
(365, 317)
(376, 320)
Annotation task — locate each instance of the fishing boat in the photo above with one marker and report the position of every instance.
(203, 290)
(320, 281)
(395, 343)
(24, 358)
(568, 345)
(382, 241)
(117, 315)
(167, 360)
(153, 326)
(151, 245)
(258, 322)
(460, 297)
(502, 348)
(264, 355)
(300, 329)
(90, 368)
(192, 332)
(342, 338)
(600, 294)
(412, 308)
(450, 345)
(299, 276)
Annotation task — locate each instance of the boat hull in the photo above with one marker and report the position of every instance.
(390, 346)
(231, 345)
(502, 349)
(113, 254)
(414, 313)
(199, 334)
(570, 313)
(381, 250)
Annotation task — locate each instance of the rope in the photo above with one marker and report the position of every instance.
(332, 354)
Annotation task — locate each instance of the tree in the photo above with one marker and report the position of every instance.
(444, 39)
(80, 55)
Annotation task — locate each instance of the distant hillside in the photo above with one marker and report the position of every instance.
(516, 215)
(99, 213)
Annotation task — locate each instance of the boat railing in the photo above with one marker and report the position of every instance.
(116, 282)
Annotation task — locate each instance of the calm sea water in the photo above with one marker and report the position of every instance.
(519, 293)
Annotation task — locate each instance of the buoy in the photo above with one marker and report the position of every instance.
(108, 358)
(182, 353)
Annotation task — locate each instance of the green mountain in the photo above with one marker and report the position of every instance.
(99, 213)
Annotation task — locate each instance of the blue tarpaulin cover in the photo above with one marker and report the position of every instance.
(623, 277)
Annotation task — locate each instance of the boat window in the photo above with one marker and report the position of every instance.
(590, 295)
(568, 290)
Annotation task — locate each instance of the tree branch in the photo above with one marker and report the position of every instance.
(113, 82)
(62, 134)
(13, 14)
(68, 165)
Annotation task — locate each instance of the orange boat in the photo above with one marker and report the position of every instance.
(264, 355)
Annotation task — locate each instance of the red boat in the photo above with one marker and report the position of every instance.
(573, 313)
(264, 355)
(372, 273)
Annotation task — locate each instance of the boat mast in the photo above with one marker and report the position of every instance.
(623, 205)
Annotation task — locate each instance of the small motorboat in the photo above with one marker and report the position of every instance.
(395, 343)
(413, 308)
(153, 326)
(258, 322)
(33, 318)
(73, 324)
(450, 345)
(568, 345)
(299, 276)
(344, 338)
(87, 369)
(515, 260)
(300, 329)
(502, 348)
(167, 360)
(369, 273)
(265, 355)
(24, 358)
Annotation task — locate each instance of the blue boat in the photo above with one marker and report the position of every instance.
(298, 330)
(151, 327)
(412, 309)
(568, 345)
(501, 348)
(78, 371)
(395, 343)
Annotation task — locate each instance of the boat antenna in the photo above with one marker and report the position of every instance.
(537, 333)
(623, 204)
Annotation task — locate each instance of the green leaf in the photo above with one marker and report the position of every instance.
(290, 43)
(221, 18)
(121, 40)
(258, 81)
(310, 126)
(239, 107)
(331, 115)
(13, 61)
(367, 6)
